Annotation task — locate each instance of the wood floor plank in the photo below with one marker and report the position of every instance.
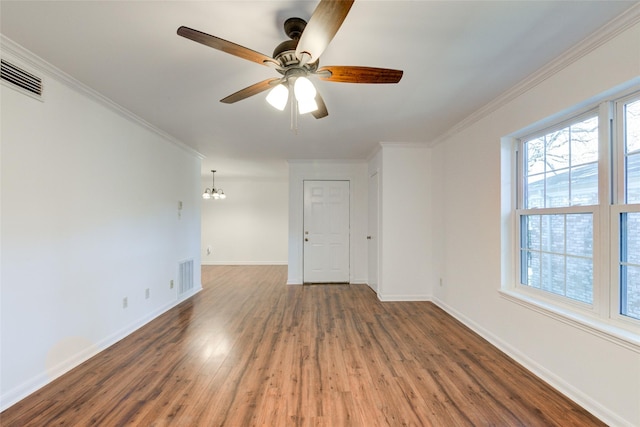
(251, 351)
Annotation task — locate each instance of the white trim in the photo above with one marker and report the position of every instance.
(33, 61)
(245, 263)
(32, 385)
(585, 401)
(403, 298)
(613, 28)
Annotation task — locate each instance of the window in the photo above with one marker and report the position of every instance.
(628, 212)
(578, 213)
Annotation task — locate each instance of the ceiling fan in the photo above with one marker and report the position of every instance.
(297, 59)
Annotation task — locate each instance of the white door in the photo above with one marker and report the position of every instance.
(326, 232)
(373, 231)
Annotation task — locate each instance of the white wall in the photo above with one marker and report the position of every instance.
(356, 173)
(405, 264)
(600, 374)
(250, 226)
(89, 216)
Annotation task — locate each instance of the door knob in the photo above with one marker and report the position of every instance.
(306, 240)
(368, 237)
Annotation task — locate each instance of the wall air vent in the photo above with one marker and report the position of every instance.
(21, 78)
(185, 277)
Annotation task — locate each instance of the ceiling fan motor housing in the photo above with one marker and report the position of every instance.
(285, 52)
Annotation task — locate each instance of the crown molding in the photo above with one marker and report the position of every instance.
(609, 31)
(404, 144)
(19, 52)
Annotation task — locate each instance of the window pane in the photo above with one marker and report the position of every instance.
(584, 185)
(580, 234)
(630, 234)
(557, 150)
(552, 233)
(580, 279)
(532, 232)
(630, 264)
(584, 142)
(535, 156)
(632, 178)
(535, 192)
(557, 189)
(553, 274)
(533, 269)
(630, 298)
(632, 126)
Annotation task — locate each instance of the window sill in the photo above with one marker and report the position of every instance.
(614, 334)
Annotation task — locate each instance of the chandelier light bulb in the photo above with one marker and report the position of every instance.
(278, 97)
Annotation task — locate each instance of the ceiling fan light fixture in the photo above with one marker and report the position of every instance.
(307, 106)
(278, 97)
(304, 90)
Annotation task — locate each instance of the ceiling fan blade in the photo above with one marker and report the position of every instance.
(351, 74)
(321, 28)
(250, 91)
(322, 108)
(226, 46)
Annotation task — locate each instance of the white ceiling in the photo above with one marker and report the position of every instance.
(456, 56)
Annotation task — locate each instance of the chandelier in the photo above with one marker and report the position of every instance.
(212, 193)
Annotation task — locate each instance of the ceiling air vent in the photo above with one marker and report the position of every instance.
(21, 78)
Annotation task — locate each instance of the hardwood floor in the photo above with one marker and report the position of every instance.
(252, 351)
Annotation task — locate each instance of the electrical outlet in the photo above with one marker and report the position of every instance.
(146, 293)
(125, 302)
(171, 284)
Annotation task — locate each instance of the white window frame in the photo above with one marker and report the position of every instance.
(602, 317)
(593, 308)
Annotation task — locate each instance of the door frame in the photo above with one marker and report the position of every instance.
(374, 244)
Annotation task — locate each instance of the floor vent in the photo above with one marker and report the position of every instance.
(185, 277)
(21, 78)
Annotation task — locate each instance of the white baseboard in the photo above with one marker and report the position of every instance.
(243, 263)
(32, 385)
(406, 298)
(591, 405)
